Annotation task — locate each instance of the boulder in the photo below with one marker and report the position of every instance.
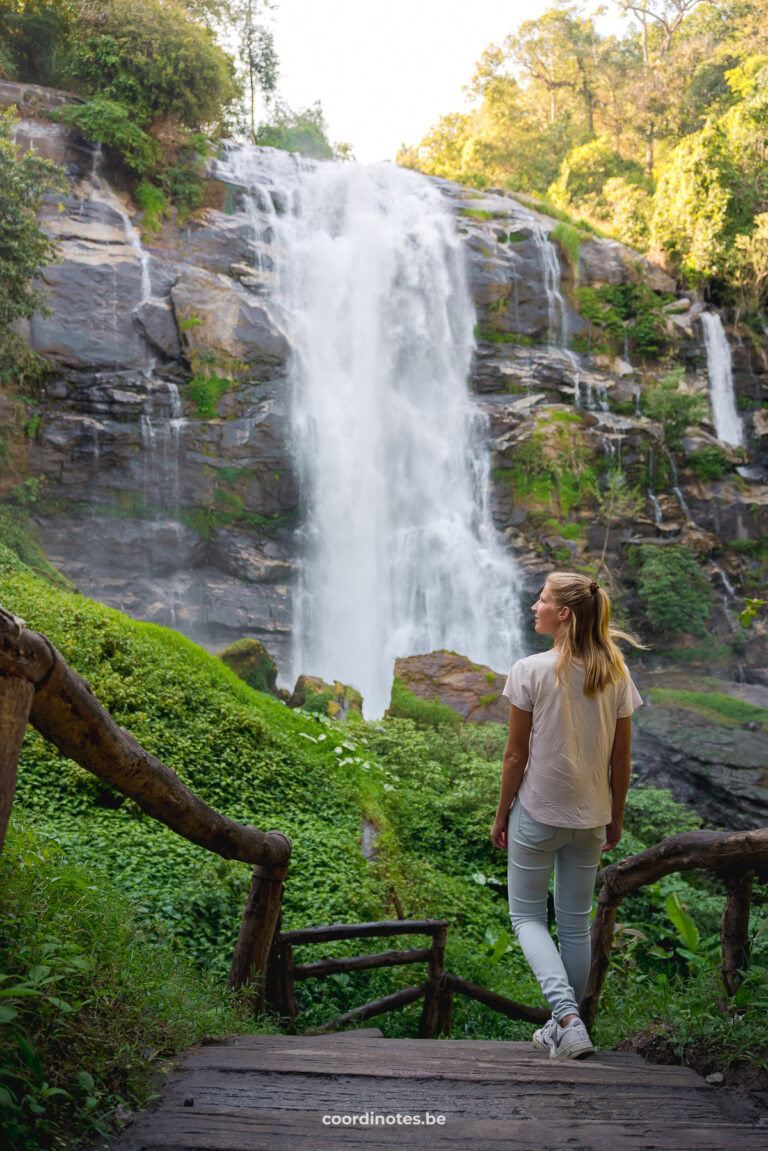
(250, 660)
(217, 314)
(336, 700)
(473, 690)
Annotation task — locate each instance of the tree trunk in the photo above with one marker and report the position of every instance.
(734, 928)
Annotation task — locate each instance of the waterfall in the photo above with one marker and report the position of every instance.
(658, 519)
(558, 330)
(399, 553)
(676, 484)
(728, 426)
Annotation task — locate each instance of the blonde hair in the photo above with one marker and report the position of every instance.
(589, 635)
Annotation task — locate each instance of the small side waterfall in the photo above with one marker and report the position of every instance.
(558, 329)
(658, 518)
(728, 425)
(400, 555)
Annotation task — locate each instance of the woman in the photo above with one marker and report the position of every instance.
(564, 781)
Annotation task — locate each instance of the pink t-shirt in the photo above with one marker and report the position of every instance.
(566, 780)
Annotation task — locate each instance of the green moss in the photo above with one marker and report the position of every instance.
(205, 389)
(405, 705)
(476, 213)
(487, 700)
(570, 240)
(490, 676)
(715, 705)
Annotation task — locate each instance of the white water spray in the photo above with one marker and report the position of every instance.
(728, 425)
(400, 553)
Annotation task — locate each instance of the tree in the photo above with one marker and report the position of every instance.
(675, 592)
(675, 410)
(617, 502)
(25, 248)
(659, 22)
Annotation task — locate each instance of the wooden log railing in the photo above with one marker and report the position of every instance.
(737, 857)
(37, 686)
(437, 991)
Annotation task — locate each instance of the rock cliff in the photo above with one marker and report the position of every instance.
(170, 490)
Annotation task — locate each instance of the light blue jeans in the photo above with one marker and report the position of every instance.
(533, 848)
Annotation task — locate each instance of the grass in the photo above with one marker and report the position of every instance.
(92, 1007)
(713, 704)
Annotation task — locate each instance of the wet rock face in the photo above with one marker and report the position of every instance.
(180, 504)
(445, 677)
(720, 771)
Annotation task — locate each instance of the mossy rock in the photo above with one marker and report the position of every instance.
(250, 660)
(337, 700)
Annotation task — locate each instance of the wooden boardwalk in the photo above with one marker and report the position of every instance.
(275, 1093)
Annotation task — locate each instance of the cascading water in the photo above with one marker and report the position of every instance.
(558, 330)
(728, 425)
(400, 554)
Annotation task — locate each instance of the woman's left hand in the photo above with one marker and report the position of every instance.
(499, 833)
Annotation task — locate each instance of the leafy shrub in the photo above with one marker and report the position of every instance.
(113, 124)
(24, 247)
(629, 208)
(205, 389)
(87, 998)
(304, 131)
(151, 58)
(151, 201)
(709, 463)
(675, 410)
(585, 171)
(630, 310)
(675, 592)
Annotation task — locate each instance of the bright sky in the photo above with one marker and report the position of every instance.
(386, 70)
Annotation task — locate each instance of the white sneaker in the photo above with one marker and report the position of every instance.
(544, 1038)
(570, 1042)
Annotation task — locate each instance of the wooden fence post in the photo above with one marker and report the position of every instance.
(434, 984)
(16, 697)
(288, 1006)
(445, 1010)
(257, 932)
(602, 938)
(734, 927)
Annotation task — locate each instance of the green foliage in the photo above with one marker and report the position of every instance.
(628, 207)
(150, 58)
(476, 213)
(405, 705)
(586, 170)
(113, 124)
(716, 705)
(304, 131)
(632, 311)
(709, 463)
(570, 239)
(674, 591)
(205, 389)
(24, 247)
(88, 998)
(675, 410)
(151, 201)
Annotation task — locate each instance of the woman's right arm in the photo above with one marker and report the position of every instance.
(619, 780)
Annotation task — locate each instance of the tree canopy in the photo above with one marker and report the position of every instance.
(655, 134)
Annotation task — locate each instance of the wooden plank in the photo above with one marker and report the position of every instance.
(485, 1100)
(505, 1049)
(187, 1128)
(361, 962)
(362, 930)
(366, 1058)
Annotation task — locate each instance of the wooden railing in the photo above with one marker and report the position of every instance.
(37, 686)
(737, 857)
(437, 991)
